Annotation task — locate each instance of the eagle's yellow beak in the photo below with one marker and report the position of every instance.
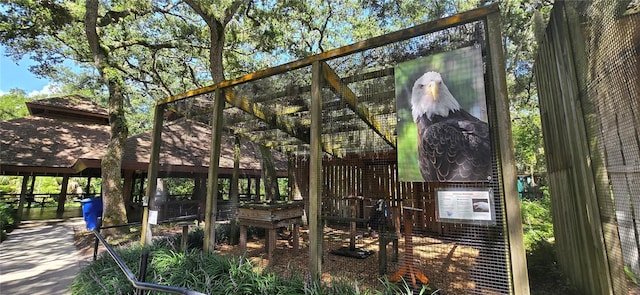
(433, 89)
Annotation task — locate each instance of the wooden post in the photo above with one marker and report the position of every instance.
(88, 188)
(258, 188)
(185, 238)
(409, 268)
(270, 244)
(127, 189)
(32, 184)
(315, 174)
(62, 198)
(146, 237)
(519, 274)
(23, 197)
(352, 224)
(234, 192)
(243, 238)
(211, 205)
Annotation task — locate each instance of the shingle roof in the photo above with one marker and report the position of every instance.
(68, 104)
(48, 142)
(185, 147)
(69, 135)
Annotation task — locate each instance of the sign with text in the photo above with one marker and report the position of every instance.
(461, 205)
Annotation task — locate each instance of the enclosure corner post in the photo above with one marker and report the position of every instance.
(212, 182)
(519, 275)
(146, 237)
(315, 174)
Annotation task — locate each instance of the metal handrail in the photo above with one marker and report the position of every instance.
(132, 278)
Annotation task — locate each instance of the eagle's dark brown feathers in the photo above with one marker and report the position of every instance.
(453, 145)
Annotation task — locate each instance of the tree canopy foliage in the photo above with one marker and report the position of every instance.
(128, 54)
(12, 105)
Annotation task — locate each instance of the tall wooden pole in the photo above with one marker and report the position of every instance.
(234, 193)
(152, 175)
(211, 206)
(315, 174)
(518, 259)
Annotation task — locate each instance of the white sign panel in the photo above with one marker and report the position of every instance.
(465, 206)
(153, 217)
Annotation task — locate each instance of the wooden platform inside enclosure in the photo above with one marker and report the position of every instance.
(271, 217)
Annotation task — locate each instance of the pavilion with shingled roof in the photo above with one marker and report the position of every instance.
(67, 137)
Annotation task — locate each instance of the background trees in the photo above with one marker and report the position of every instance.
(12, 105)
(127, 54)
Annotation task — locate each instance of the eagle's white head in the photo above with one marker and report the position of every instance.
(430, 96)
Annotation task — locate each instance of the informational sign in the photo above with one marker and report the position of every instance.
(461, 205)
(153, 217)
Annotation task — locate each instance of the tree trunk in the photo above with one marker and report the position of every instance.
(272, 191)
(114, 211)
(216, 33)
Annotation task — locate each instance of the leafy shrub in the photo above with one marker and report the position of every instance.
(209, 273)
(10, 184)
(196, 237)
(536, 221)
(6, 220)
(544, 274)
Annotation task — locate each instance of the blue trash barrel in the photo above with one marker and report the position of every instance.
(91, 210)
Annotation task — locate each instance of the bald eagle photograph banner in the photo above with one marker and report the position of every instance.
(443, 130)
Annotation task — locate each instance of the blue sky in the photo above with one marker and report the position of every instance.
(18, 76)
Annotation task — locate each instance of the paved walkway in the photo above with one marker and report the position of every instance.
(39, 258)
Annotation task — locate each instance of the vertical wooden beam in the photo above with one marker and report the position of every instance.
(258, 184)
(315, 174)
(211, 205)
(146, 237)
(127, 189)
(248, 191)
(62, 198)
(32, 184)
(517, 257)
(234, 191)
(88, 188)
(23, 197)
(32, 179)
